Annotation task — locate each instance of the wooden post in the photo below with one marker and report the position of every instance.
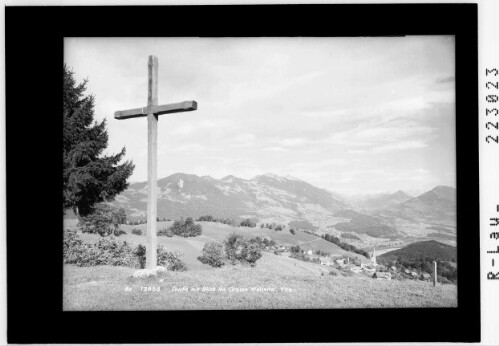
(152, 111)
(152, 157)
(434, 273)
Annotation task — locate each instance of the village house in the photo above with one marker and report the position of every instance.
(393, 268)
(414, 274)
(339, 261)
(325, 261)
(309, 252)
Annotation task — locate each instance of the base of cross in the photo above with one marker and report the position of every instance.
(145, 273)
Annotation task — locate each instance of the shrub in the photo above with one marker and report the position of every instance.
(259, 242)
(186, 228)
(106, 251)
(208, 218)
(292, 231)
(170, 260)
(140, 252)
(248, 223)
(105, 220)
(136, 231)
(213, 254)
(109, 251)
(239, 250)
(167, 232)
(269, 242)
(300, 256)
(73, 246)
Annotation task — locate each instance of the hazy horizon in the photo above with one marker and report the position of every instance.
(350, 115)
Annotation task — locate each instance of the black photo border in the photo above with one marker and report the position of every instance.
(34, 60)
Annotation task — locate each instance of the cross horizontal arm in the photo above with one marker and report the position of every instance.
(185, 106)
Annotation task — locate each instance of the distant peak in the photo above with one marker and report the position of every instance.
(400, 193)
(290, 177)
(269, 175)
(229, 178)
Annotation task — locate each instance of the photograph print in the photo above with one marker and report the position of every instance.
(259, 173)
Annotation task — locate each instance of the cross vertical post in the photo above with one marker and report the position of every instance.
(152, 111)
(434, 273)
(152, 163)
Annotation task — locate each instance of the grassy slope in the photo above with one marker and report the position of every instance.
(430, 248)
(191, 247)
(103, 288)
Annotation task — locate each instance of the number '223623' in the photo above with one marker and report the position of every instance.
(492, 99)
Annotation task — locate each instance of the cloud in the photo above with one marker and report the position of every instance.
(186, 148)
(178, 127)
(276, 149)
(340, 113)
(243, 140)
(291, 142)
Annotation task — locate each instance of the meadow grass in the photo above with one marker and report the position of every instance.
(113, 288)
(304, 285)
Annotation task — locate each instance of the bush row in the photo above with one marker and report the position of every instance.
(232, 222)
(109, 251)
(335, 240)
(273, 226)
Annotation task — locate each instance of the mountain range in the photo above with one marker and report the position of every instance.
(276, 198)
(265, 196)
(380, 201)
(437, 206)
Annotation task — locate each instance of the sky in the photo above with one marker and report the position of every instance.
(352, 115)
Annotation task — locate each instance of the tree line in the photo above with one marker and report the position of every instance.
(335, 240)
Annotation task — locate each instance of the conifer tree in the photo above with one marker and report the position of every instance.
(88, 176)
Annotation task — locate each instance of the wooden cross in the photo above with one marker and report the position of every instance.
(152, 111)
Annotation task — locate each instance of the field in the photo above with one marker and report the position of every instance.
(105, 288)
(287, 282)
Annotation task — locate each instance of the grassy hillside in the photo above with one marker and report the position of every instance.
(191, 247)
(363, 224)
(431, 249)
(112, 288)
(289, 283)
